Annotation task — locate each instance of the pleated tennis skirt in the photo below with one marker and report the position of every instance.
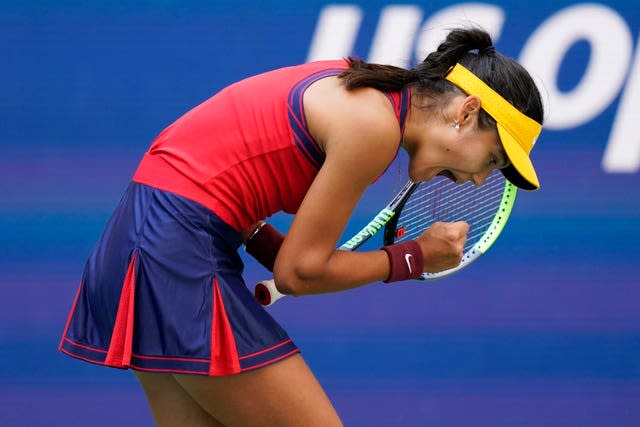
(162, 291)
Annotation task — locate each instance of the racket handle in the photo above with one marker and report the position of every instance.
(266, 292)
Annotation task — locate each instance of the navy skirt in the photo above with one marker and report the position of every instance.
(162, 291)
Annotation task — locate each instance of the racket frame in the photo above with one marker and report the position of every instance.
(481, 246)
(388, 217)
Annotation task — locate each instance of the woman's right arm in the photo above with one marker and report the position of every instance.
(360, 135)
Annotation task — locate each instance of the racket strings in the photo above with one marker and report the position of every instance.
(457, 207)
(478, 227)
(447, 200)
(453, 211)
(460, 207)
(443, 200)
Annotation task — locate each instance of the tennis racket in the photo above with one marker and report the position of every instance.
(417, 206)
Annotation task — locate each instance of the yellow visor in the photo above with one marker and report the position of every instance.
(518, 132)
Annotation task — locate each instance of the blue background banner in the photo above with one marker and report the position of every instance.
(544, 330)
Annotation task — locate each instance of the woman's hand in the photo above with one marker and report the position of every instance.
(442, 245)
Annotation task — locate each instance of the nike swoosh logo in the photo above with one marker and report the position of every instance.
(406, 258)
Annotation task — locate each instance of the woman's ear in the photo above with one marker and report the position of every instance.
(468, 110)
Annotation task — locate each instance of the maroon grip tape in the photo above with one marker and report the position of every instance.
(264, 245)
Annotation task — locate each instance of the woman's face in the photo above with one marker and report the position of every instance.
(462, 152)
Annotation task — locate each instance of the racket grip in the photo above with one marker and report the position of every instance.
(266, 292)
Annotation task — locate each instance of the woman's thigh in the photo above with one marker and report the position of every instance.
(170, 404)
(285, 393)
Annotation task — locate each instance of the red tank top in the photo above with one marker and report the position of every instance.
(246, 153)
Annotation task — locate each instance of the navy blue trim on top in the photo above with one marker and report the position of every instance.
(405, 101)
(401, 108)
(298, 122)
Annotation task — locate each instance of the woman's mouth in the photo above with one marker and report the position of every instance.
(448, 174)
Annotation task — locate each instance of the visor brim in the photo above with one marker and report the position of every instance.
(520, 172)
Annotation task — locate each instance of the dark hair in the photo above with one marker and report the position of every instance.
(472, 48)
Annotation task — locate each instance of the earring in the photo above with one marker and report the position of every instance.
(456, 125)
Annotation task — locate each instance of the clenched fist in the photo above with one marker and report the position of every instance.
(442, 245)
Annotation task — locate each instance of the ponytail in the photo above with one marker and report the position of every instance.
(386, 78)
(460, 46)
(471, 47)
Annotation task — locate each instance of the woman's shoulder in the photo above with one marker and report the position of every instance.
(359, 123)
(332, 110)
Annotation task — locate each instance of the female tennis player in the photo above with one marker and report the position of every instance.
(162, 293)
